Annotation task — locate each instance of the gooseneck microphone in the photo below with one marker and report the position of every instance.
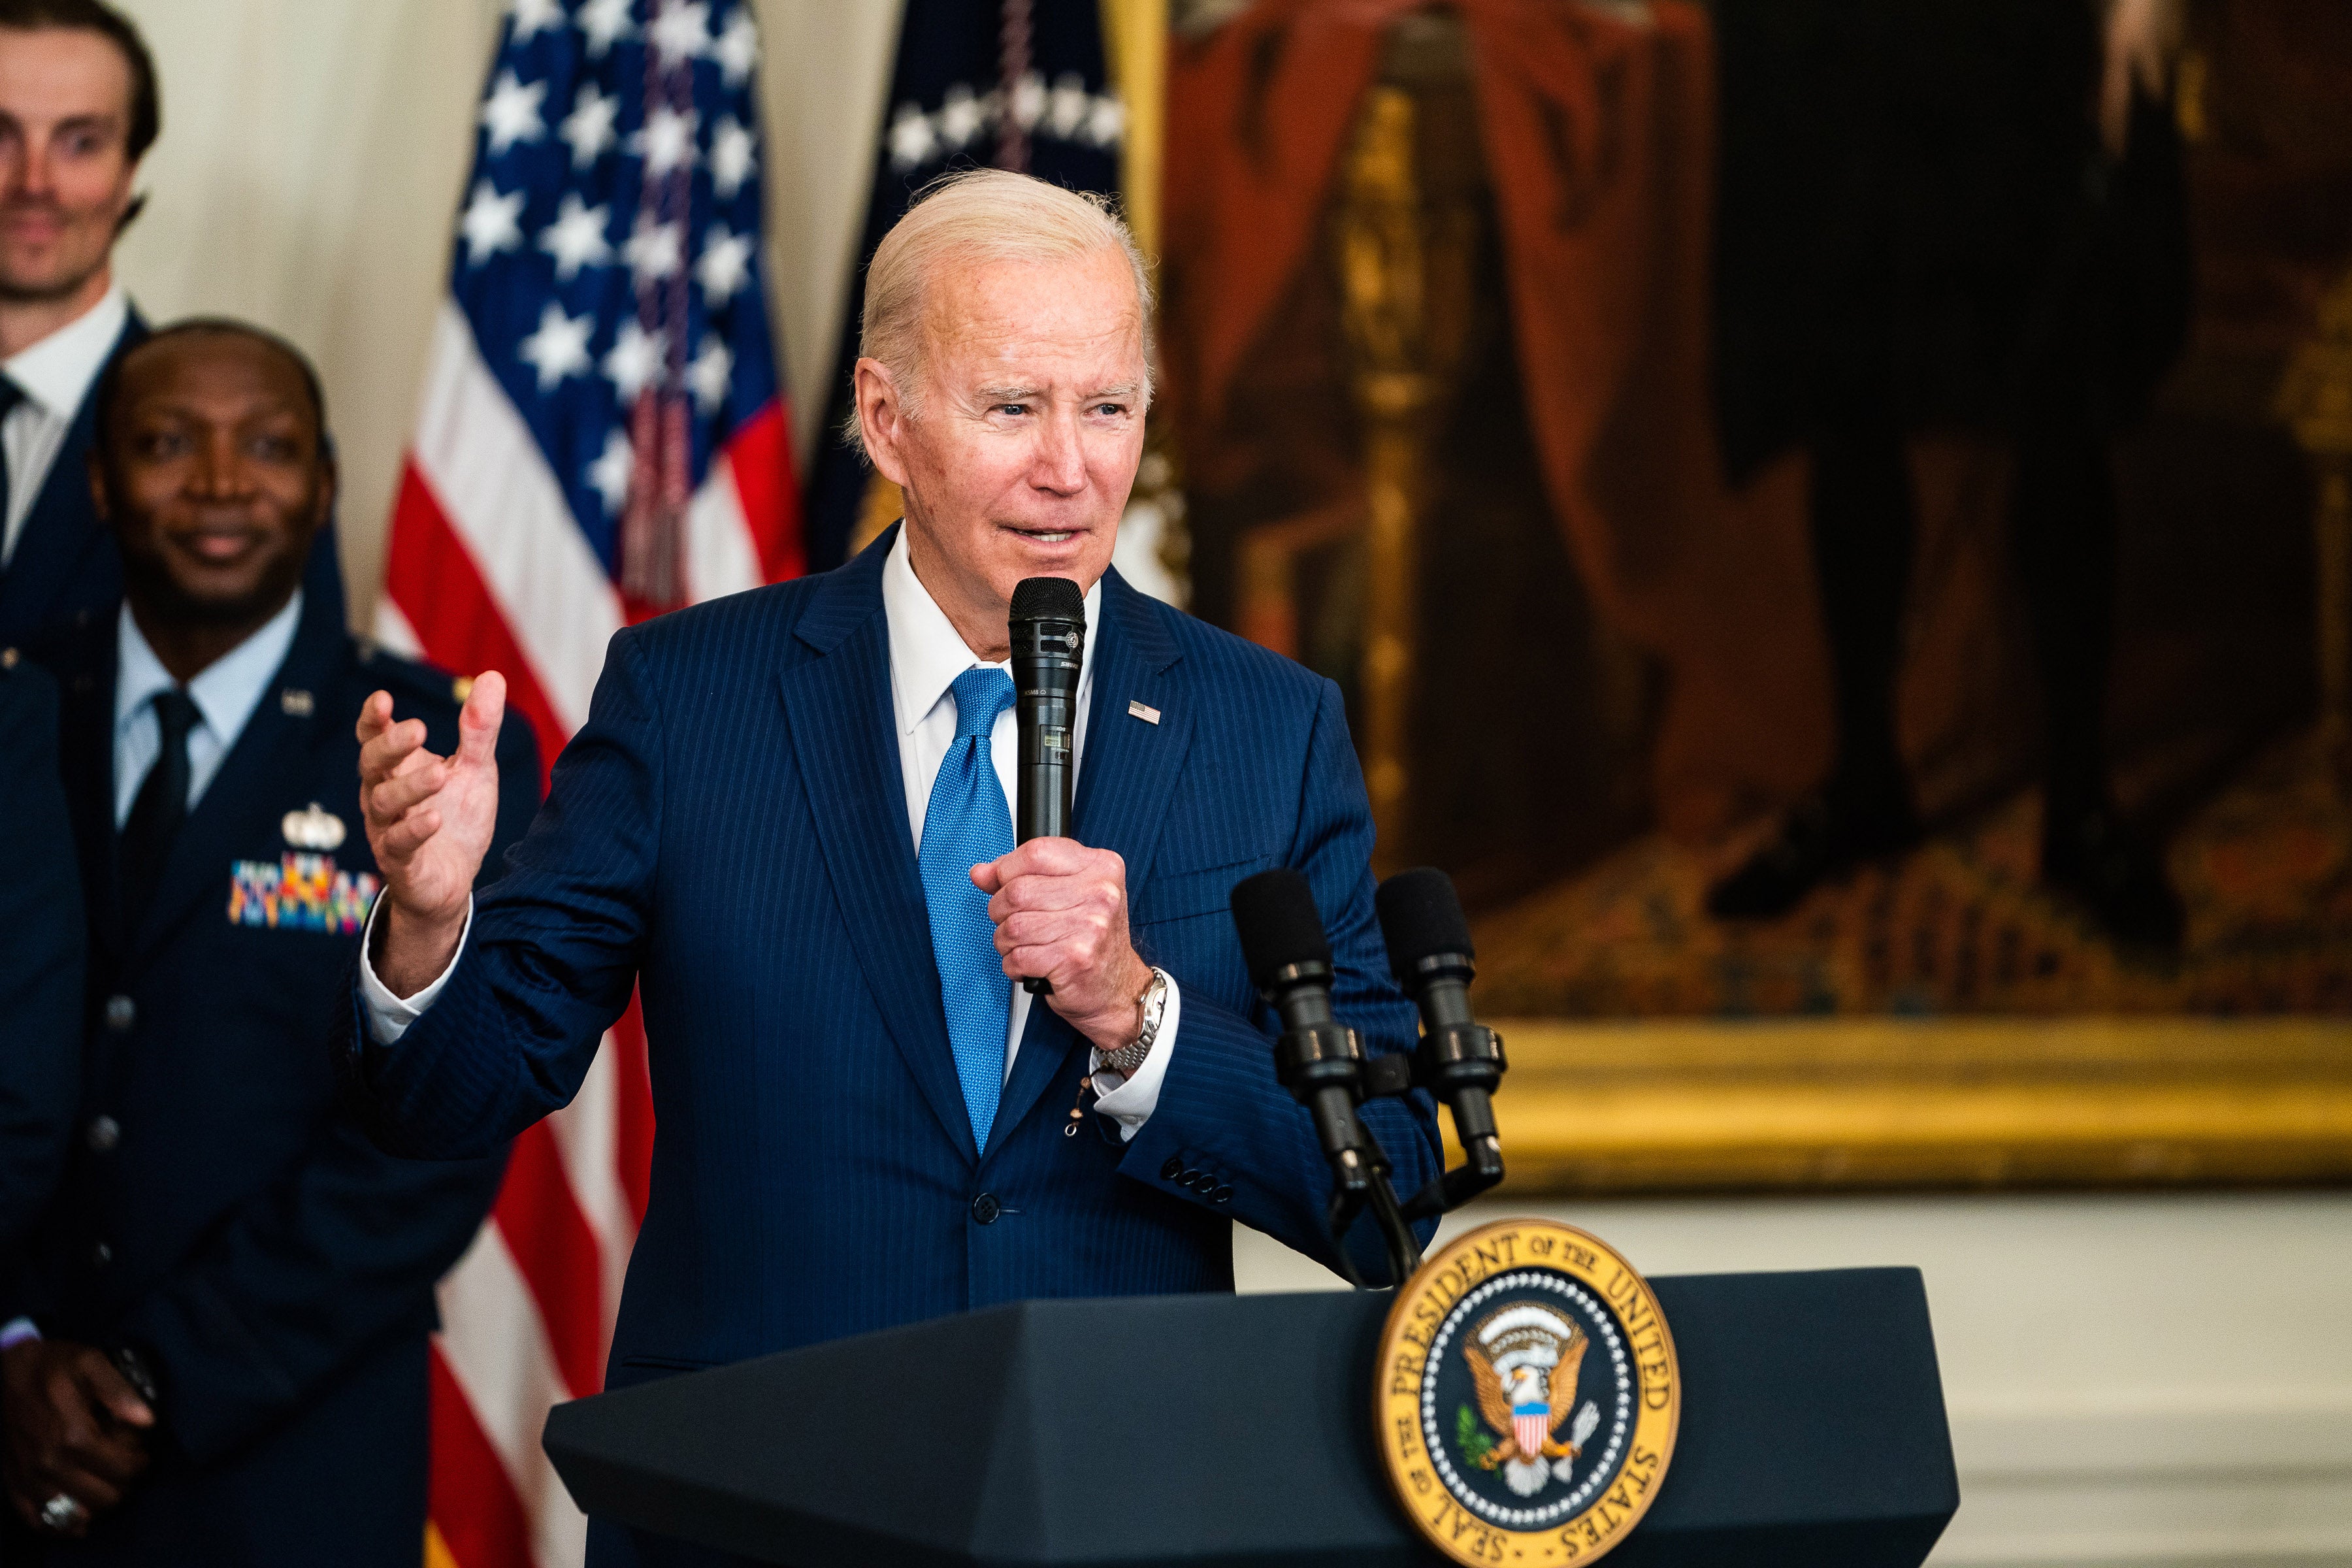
(1319, 1059)
(1049, 643)
(1460, 1059)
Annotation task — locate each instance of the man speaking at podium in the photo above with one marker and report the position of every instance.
(787, 819)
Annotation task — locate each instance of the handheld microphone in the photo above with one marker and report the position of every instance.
(1460, 1059)
(1319, 1059)
(1049, 640)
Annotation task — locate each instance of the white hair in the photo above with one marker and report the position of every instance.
(978, 216)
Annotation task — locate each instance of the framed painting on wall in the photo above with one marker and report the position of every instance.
(1563, 419)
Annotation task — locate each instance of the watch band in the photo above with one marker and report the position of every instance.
(1149, 1009)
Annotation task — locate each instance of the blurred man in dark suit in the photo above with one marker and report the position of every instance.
(1952, 215)
(79, 108)
(40, 951)
(230, 1290)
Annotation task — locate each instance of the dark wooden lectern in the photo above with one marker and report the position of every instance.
(1154, 1432)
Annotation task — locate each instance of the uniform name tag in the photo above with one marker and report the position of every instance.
(299, 892)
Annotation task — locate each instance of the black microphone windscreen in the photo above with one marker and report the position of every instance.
(1275, 914)
(1048, 599)
(1419, 915)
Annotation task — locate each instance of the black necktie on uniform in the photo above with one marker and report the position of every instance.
(161, 808)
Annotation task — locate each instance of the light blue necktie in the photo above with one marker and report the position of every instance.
(967, 823)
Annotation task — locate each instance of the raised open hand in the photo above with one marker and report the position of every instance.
(429, 820)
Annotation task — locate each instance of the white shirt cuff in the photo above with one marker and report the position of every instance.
(16, 1331)
(1131, 1100)
(388, 1016)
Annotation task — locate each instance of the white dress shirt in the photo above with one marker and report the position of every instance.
(927, 654)
(225, 693)
(55, 374)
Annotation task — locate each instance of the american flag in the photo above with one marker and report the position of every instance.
(603, 439)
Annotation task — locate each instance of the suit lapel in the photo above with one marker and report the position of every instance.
(838, 707)
(239, 808)
(62, 529)
(1124, 780)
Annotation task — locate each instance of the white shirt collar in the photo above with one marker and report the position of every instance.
(57, 372)
(226, 691)
(926, 653)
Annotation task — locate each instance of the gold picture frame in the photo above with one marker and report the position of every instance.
(1855, 1104)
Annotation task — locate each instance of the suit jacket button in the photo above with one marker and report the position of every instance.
(985, 1208)
(1223, 1194)
(1173, 1170)
(121, 1011)
(105, 1132)
(101, 1255)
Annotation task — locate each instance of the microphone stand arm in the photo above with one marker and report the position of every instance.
(1322, 1065)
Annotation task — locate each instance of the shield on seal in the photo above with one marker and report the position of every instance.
(1531, 1423)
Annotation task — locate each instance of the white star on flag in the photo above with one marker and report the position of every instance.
(683, 33)
(610, 474)
(1029, 101)
(576, 237)
(634, 359)
(667, 141)
(491, 223)
(961, 118)
(712, 374)
(911, 138)
(589, 127)
(655, 251)
(1068, 107)
(738, 50)
(532, 16)
(1107, 124)
(606, 23)
(733, 150)
(725, 267)
(511, 114)
(560, 347)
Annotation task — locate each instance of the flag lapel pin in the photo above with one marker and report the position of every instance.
(1148, 714)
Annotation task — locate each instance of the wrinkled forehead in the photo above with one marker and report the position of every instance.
(1075, 318)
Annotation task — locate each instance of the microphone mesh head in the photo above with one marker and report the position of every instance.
(1048, 599)
(1275, 914)
(1419, 915)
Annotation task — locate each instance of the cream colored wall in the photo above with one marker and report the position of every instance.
(312, 156)
(2136, 1380)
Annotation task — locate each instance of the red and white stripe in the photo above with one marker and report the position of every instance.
(487, 570)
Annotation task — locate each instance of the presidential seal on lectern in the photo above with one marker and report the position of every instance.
(1527, 1396)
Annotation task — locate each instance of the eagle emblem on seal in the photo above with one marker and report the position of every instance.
(1523, 1360)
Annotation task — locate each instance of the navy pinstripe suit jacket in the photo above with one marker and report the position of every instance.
(730, 831)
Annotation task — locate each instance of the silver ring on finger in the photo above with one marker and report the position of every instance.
(62, 1513)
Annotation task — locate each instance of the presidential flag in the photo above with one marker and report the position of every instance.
(1008, 84)
(603, 439)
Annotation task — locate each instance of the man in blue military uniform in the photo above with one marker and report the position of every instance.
(79, 110)
(230, 1291)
